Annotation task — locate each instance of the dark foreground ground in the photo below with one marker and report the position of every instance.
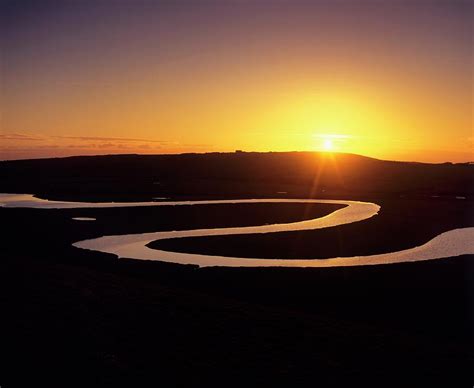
(77, 318)
(85, 318)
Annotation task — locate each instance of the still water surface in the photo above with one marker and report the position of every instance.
(452, 243)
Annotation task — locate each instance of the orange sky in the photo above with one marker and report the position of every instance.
(390, 80)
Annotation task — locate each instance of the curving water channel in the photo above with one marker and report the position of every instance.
(452, 243)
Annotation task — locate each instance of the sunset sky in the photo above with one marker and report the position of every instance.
(387, 79)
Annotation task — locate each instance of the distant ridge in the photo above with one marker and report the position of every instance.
(239, 152)
(236, 174)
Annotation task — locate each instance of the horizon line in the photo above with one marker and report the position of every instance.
(467, 162)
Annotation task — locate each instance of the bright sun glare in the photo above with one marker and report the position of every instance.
(328, 145)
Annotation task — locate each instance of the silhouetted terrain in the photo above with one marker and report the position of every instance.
(73, 317)
(299, 174)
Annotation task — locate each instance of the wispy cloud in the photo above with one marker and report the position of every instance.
(14, 145)
(20, 136)
(110, 139)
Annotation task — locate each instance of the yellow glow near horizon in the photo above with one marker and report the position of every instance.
(386, 127)
(189, 78)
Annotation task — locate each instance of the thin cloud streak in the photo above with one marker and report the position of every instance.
(119, 139)
(20, 136)
(61, 147)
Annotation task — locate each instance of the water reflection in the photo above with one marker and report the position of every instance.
(452, 243)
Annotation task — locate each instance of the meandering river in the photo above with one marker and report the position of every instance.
(452, 243)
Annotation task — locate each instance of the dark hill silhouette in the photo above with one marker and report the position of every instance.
(231, 174)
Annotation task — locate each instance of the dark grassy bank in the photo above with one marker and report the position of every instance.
(79, 318)
(126, 323)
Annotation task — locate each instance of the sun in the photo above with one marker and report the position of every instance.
(331, 142)
(328, 145)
